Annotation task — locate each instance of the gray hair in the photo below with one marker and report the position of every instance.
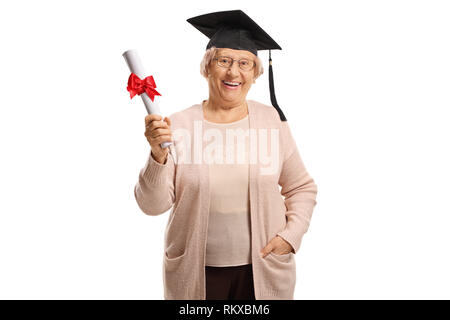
(210, 54)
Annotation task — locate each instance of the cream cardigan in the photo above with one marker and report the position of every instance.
(182, 185)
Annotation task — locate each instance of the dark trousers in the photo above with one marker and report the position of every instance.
(229, 283)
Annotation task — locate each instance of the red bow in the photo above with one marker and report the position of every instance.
(136, 86)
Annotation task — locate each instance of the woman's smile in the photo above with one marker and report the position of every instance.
(231, 85)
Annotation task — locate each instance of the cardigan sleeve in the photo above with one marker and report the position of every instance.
(154, 191)
(299, 191)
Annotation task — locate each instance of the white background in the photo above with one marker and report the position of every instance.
(364, 85)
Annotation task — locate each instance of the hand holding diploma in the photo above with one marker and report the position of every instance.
(158, 132)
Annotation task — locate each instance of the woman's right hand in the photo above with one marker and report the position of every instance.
(158, 131)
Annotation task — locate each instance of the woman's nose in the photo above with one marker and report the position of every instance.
(234, 69)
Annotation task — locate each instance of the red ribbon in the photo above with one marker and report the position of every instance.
(136, 86)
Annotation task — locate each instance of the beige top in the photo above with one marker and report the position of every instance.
(229, 239)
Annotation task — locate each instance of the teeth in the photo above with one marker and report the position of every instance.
(232, 83)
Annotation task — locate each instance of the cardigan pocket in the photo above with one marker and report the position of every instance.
(172, 263)
(280, 274)
(282, 257)
(174, 271)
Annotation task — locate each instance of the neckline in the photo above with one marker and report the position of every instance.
(226, 123)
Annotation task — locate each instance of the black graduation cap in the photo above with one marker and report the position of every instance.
(235, 30)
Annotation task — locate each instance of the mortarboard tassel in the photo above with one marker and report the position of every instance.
(273, 99)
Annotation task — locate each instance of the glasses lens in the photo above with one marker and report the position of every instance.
(224, 61)
(245, 64)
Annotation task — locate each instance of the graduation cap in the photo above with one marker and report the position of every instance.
(235, 30)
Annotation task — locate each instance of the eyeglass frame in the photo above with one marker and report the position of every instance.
(233, 60)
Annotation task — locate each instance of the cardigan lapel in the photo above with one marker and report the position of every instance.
(253, 178)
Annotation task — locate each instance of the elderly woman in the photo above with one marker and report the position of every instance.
(231, 233)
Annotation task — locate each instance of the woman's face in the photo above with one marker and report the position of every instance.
(217, 76)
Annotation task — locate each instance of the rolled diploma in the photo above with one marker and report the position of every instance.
(135, 65)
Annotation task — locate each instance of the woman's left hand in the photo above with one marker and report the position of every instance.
(278, 245)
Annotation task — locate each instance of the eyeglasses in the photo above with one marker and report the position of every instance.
(227, 62)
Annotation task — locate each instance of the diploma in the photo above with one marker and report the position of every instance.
(134, 63)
